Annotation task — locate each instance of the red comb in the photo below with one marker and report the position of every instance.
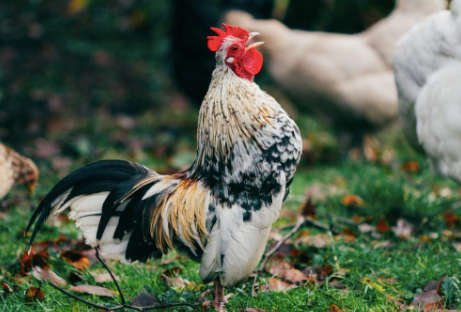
(214, 42)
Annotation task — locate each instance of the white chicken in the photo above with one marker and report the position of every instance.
(347, 80)
(427, 65)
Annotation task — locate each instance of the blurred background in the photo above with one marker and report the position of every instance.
(63, 62)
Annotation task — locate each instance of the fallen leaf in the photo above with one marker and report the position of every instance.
(451, 218)
(420, 300)
(382, 225)
(6, 288)
(325, 271)
(172, 272)
(76, 258)
(365, 228)
(144, 299)
(403, 229)
(294, 276)
(352, 200)
(279, 267)
(308, 210)
(425, 238)
(318, 241)
(104, 277)
(34, 258)
(34, 293)
(93, 290)
(48, 275)
(433, 306)
(356, 218)
(411, 166)
(334, 308)
(276, 284)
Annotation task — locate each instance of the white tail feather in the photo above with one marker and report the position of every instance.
(86, 211)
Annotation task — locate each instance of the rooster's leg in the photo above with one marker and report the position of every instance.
(219, 298)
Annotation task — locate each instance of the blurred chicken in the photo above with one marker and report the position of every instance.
(218, 212)
(347, 80)
(16, 169)
(427, 64)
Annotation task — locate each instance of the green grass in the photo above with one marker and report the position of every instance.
(368, 263)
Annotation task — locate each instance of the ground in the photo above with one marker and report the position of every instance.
(393, 224)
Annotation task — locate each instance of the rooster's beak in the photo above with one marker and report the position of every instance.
(256, 44)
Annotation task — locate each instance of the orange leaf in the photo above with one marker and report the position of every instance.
(450, 218)
(33, 293)
(334, 308)
(356, 219)
(77, 259)
(352, 200)
(382, 225)
(411, 166)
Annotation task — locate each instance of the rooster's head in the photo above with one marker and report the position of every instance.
(231, 47)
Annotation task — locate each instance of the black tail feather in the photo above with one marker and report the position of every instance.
(111, 202)
(97, 177)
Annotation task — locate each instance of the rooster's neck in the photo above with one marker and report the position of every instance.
(233, 111)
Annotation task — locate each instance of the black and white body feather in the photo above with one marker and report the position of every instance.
(219, 212)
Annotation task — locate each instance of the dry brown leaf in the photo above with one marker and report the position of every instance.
(76, 258)
(93, 290)
(382, 225)
(172, 272)
(325, 271)
(352, 200)
(104, 277)
(294, 276)
(435, 306)
(451, 218)
(308, 210)
(334, 308)
(34, 293)
(319, 240)
(279, 267)
(48, 275)
(177, 282)
(424, 298)
(276, 284)
(144, 299)
(403, 229)
(411, 166)
(6, 288)
(34, 258)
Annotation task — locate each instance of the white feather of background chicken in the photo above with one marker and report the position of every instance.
(345, 79)
(427, 65)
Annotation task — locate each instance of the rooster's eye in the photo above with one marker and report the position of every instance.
(235, 48)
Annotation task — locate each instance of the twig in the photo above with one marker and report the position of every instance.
(122, 299)
(308, 222)
(269, 254)
(123, 306)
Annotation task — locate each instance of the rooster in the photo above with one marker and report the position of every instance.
(16, 169)
(220, 211)
(427, 65)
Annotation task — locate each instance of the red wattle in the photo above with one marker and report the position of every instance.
(252, 61)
